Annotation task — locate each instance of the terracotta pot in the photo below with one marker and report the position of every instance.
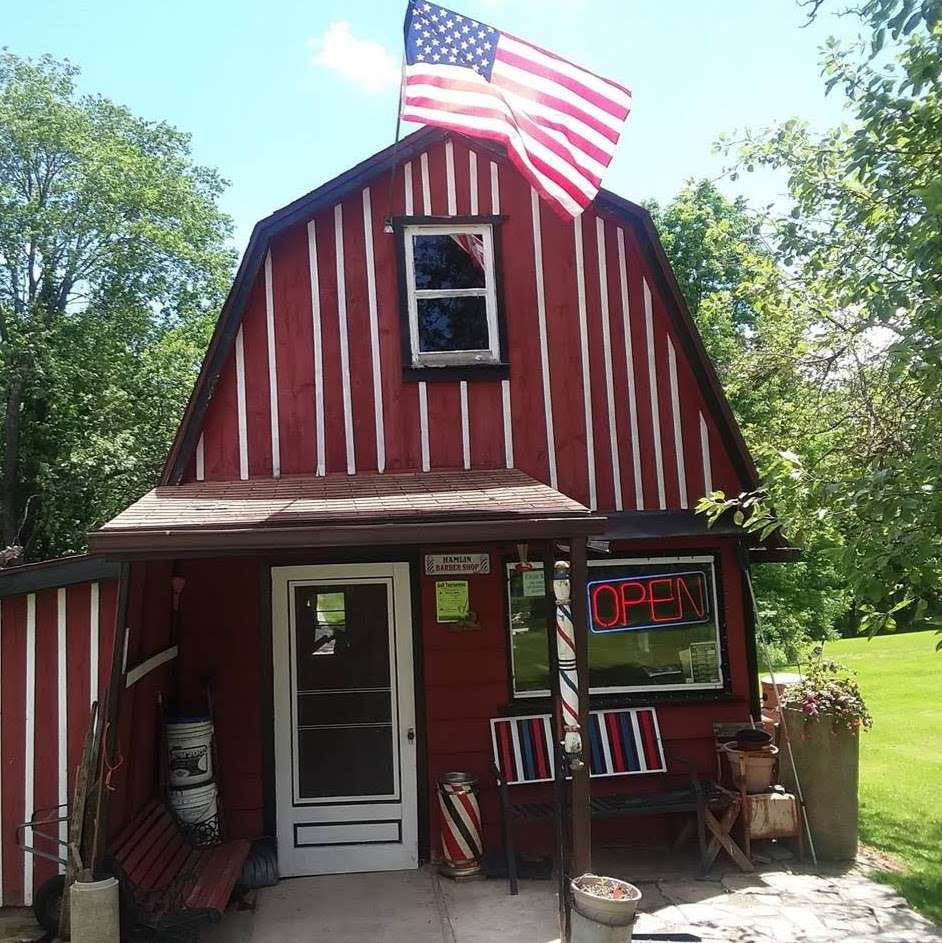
(759, 766)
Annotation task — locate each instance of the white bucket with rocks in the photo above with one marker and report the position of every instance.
(604, 909)
(190, 751)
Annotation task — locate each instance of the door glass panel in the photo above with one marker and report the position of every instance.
(343, 695)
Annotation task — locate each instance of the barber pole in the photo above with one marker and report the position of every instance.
(462, 845)
(566, 654)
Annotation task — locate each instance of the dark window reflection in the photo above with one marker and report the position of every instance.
(452, 324)
(446, 262)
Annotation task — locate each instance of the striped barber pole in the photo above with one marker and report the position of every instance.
(566, 654)
(462, 844)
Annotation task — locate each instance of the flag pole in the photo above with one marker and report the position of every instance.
(387, 221)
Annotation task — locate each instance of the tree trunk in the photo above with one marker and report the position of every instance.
(9, 512)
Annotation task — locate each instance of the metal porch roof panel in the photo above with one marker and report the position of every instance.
(315, 510)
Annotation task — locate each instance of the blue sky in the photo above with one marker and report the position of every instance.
(282, 95)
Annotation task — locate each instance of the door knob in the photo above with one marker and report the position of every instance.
(410, 734)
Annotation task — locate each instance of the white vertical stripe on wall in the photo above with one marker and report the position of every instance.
(407, 183)
(630, 361)
(93, 656)
(272, 369)
(200, 459)
(705, 457)
(495, 189)
(29, 745)
(344, 343)
(320, 432)
(374, 332)
(240, 407)
(465, 425)
(62, 709)
(423, 426)
(473, 181)
(423, 389)
(544, 347)
(508, 424)
(678, 432)
(584, 352)
(450, 178)
(652, 382)
(426, 184)
(607, 352)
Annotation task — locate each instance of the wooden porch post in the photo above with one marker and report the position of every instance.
(581, 812)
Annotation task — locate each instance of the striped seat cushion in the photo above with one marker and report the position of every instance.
(620, 743)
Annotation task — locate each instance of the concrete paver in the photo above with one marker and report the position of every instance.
(783, 903)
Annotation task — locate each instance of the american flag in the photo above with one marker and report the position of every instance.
(559, 122)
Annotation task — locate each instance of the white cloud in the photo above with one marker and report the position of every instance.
(364, 62)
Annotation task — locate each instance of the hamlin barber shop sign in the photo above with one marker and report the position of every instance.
(457, 564)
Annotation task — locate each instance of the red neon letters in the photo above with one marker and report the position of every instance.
(647, 601)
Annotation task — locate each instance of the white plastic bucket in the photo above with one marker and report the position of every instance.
(190, 752)
(94, 911)
(197, 806)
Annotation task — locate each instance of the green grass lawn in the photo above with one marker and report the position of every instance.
(901, 757)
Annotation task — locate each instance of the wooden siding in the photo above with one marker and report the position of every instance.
(602, 400)
(55, 659)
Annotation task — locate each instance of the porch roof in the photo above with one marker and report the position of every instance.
(344, 510)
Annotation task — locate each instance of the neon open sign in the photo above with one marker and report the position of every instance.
(659, 601)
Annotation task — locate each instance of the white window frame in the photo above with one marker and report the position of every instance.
(718, 685)
(448, 358)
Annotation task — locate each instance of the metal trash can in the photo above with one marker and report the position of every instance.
(462, 844)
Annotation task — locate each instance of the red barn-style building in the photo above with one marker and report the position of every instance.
(422, 378)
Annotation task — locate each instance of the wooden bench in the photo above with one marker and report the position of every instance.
(620, 743)
(171, 885)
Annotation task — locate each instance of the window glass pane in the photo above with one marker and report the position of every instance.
(447, 324)
(651, 624)
(448, 261)
(528, 632)
(343, 691)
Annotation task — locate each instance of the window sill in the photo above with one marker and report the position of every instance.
(471, 371)
(544, 705)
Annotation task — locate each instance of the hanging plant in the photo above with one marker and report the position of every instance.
(829, 691)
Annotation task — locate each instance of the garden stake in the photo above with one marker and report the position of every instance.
(788, 742)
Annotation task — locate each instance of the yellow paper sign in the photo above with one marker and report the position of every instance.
(451, 600)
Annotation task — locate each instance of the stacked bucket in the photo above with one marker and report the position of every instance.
(193, 793)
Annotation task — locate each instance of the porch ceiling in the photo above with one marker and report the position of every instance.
(342, 510)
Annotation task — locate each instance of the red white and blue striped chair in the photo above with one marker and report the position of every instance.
(625, 742)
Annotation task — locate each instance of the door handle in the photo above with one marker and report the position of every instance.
(410, 734)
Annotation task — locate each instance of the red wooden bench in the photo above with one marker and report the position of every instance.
(170, 884)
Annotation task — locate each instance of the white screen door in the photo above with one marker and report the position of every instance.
(345, 776)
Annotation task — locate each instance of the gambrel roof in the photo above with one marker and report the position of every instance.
(374, 170)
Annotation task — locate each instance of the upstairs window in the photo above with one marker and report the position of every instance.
(451, 316)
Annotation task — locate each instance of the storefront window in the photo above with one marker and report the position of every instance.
(653, 625)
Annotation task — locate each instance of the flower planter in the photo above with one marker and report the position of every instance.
(827, 760)
(603, 909)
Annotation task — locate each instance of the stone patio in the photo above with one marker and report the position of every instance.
(781, 903)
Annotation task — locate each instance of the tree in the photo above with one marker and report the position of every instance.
(112, 260)
(863, 245)
(755, 327)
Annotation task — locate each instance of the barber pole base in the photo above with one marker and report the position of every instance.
(462, 844)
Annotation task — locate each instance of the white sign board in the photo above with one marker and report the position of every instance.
(457, 564)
